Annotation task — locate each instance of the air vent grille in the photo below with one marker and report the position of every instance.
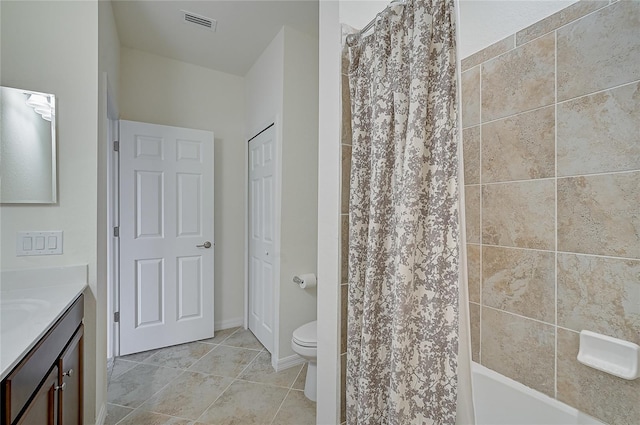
(201, 21)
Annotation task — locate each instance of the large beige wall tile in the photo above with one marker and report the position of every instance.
(558, 19)
(471, 97)
(474, 318)
(606, 397)
(489, 52)
(344, 315)
(600, 214)
(520, 214)
(343, 388)
(520, 147)
(599, 294)
(600, 133)
(519, 348)
(473, 269)
(472, 213)
(471, 154)
(346, 177)
(519, 281)
(599, 51)
(520, 80)
(344, 248)
(346, 111)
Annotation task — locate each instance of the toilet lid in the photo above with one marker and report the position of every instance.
(306, 335)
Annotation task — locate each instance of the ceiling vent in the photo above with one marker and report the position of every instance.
(199, 20)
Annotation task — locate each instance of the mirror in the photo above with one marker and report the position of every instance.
(27, 147)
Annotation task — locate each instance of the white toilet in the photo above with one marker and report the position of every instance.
(305, 344)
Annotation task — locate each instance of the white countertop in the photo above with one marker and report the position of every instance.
(31, 301)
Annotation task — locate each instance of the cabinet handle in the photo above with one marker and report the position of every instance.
(60, 387)
(68, 373)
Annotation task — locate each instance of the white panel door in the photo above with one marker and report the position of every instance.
(166, 236)
(261, 236)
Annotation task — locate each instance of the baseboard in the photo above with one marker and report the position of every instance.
(102, 416)
(287, 362)
(229, 323)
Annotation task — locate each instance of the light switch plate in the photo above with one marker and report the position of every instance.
(39, 243)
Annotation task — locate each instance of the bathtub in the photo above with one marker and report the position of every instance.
(499, 400)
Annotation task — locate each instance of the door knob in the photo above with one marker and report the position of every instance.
(207, 244)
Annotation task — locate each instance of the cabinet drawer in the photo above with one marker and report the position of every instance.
(27, 376)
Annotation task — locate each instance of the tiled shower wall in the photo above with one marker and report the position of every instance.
(551, 119)
(344, 217)
(551, 137)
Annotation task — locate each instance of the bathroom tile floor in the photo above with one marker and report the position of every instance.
(223, 380)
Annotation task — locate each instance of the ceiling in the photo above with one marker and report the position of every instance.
(244, 29)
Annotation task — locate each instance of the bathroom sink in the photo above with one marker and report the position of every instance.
(15, 313)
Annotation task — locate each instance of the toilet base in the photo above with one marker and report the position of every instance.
(310, 384)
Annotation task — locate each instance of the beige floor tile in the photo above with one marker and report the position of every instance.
(220, 336)
(180, 356)
(243, 338)
(225, 361)
(140, 417)
(296, 410)
(116, 413)
(260, 370)
(139, 357)
(188, 396)
(120, 366)
(245, 403)
(135, 386)
(300, 380)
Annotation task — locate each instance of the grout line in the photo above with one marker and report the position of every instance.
(561, 26)
(599, 91)
(605, 173)
(555, 224)
(520, 315)
(526, 111)
(280, 407)
(481, 284)
(518, 181)
(609, 257)
(217, 398)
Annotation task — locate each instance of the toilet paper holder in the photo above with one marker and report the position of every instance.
(304, 281)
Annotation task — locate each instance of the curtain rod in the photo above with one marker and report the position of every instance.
(352, 37)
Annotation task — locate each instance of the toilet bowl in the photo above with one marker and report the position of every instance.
(305, 343)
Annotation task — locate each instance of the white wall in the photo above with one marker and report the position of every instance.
(264, 88)
(329, 167)
(163, 91)
(281, 87)
(299, 214)
(51, 47)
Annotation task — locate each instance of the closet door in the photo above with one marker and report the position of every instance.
(261, 236)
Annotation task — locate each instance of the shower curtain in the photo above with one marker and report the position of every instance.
(404, 227)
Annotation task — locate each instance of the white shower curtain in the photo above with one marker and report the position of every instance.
(403, 348)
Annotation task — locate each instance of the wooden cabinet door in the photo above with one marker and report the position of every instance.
(43, 408)
(70, 370)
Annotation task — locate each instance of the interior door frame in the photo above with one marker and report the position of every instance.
(277, 197)
(113, 339)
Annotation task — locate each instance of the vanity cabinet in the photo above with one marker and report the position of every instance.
(45, 388)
